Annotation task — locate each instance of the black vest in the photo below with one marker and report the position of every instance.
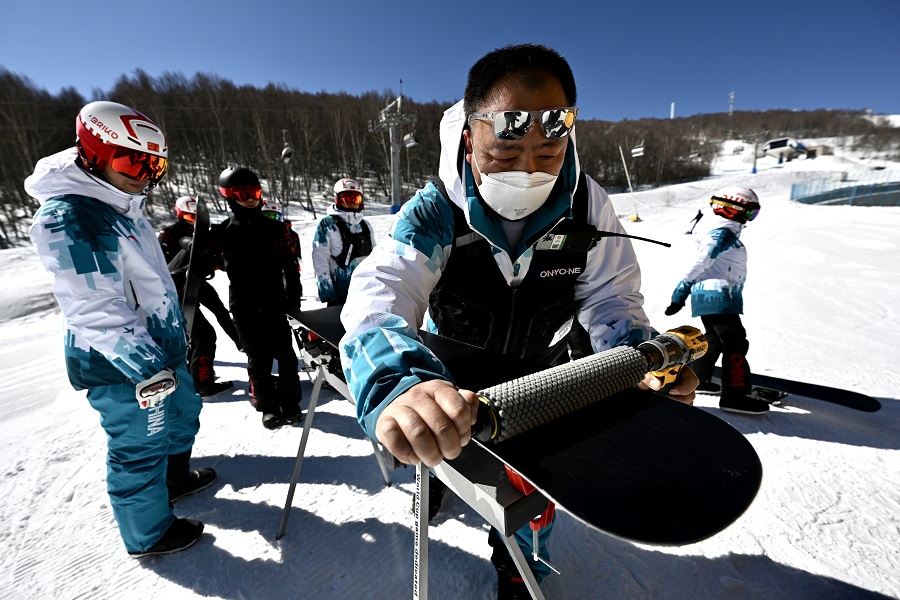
(473, 303)
(353, 245)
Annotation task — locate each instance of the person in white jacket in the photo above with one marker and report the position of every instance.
(715, 284)
(125, 341)
(343, 238)
(500, 253)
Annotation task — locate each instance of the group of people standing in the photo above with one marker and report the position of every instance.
(466, 257)
(121, 287)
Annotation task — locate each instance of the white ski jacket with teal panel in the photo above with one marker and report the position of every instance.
(715, 281)
(122, 316)
(332, 279)
(381, 353)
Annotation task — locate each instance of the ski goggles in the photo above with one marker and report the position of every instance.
(139, 166)
(349, 200)
(514, 124)
(272, 214)
(242, 193)
(748, 211)
(189, 217)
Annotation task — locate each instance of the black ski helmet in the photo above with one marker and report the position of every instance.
(234, 177)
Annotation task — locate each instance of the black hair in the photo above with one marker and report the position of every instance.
(531, 62)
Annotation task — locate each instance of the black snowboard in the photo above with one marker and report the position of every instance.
(197, 267)
(636, 465)
(847, 398)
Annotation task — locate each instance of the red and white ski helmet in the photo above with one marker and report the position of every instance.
(186, 208)
(272, 210)
(348, 195)
(108, 133)
(734, 202)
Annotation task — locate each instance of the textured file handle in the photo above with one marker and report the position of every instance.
(530, 401)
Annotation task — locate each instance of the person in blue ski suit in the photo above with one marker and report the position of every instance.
(334, 263)
(715, 284)
(480, 256)
(124, 339)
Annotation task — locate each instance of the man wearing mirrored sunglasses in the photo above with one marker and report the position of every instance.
(501, 254)
(125, 341)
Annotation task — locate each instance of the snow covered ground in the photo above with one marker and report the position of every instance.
(822, 305)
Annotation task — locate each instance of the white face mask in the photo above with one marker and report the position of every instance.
(515, 194)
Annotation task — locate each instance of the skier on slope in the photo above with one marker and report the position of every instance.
(175, 241)
(715, 284)
(343, 238)
(125, 341)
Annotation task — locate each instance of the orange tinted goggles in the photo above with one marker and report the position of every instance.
(139, 166)
(242, 193)
(349, 199)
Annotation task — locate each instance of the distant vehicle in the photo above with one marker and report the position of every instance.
(783, 148)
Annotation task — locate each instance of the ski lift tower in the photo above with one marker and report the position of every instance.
(394, 119)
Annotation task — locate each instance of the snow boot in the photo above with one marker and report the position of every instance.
(743, 405)
(182, 481)
(272, 421)
(289, 395)
(181, 534)
(214, 387)
(294, 417)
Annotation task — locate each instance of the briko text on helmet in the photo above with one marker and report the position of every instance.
(105, 128)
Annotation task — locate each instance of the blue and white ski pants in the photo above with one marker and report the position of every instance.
(139, 442)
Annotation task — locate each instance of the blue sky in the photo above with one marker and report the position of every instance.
(631, 59)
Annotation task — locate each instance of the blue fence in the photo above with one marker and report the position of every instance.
(879, 188)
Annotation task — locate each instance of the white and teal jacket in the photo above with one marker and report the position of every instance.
(122, 316)
(715, 280)
(381, 353)
(332, 279)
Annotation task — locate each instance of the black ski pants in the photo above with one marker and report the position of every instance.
(727, 338)
(266, 337)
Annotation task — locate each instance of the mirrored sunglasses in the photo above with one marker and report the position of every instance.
(139, 166)
(242, 193)
(514, 124)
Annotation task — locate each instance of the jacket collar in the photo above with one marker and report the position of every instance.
(60, 175)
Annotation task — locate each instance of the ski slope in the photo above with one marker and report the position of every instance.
(822, 302)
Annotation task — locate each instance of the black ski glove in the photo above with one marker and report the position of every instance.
(674, 308)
